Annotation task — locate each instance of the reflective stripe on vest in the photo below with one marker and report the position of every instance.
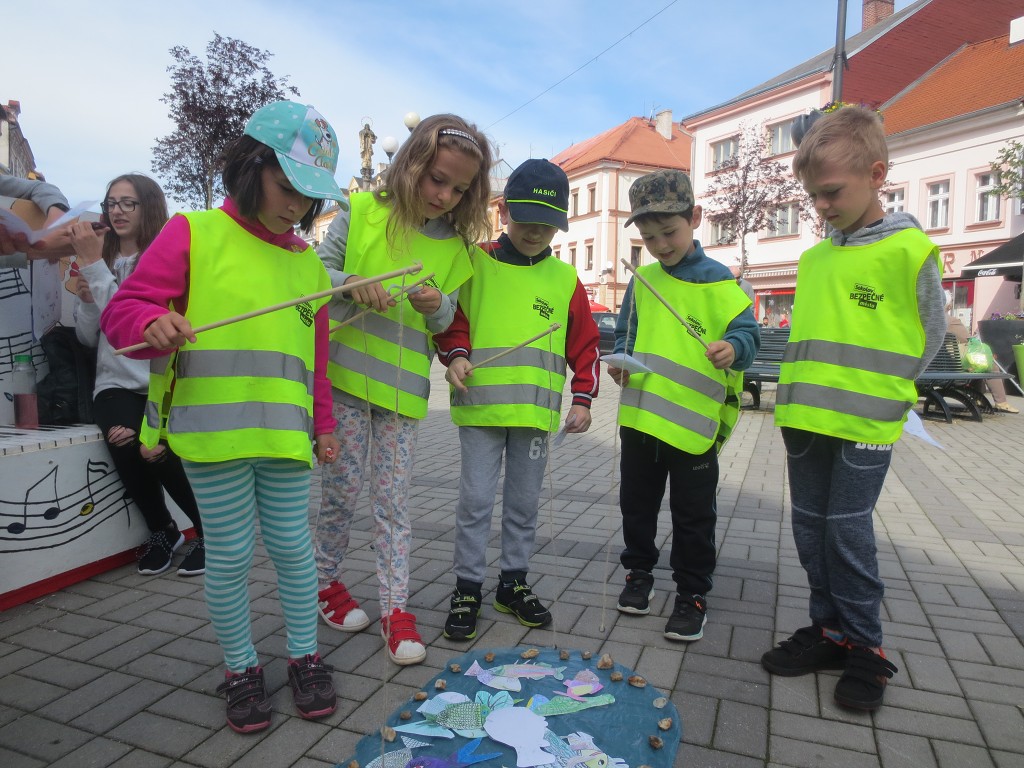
(856, 340)
(366, 358)
(228, 399)
(505, 304)
(682, 400)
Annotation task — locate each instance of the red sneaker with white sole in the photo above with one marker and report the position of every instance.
(405, 646)
(339, 609)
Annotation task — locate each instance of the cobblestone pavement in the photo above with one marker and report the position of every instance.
(120, 670)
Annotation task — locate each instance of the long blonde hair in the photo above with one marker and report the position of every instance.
(400, 190)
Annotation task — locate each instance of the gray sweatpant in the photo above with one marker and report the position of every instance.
(525, 451)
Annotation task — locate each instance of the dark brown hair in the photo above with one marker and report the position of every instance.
(243, 162)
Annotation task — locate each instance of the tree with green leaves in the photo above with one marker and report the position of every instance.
(1009, 164)
(210, 103)
(750, 190)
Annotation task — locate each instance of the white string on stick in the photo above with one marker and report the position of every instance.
(404, 293)
(285, 304)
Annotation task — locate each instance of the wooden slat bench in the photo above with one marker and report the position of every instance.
(765, 367)
(945, 379)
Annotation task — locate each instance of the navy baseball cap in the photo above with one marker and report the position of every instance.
(537, 192)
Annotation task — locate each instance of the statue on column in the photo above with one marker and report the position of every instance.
(367, 138)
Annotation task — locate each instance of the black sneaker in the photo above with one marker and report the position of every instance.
(808, 650)
(248, 702)
(636, 596)
(461, 622)
(155, 555)
(518, 599)
(862, 684)
(688, 619)
(194, 562)
(312, 686)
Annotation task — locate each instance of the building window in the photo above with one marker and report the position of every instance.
(782, 137)
(572, 255)
(938, 204)
(575, 210)
(592, 198)
(557, 253)
(721, 234)
(590, 255)
(988, 201)
(786, 221)
(723, 153)
(893, 201)
(634, 255)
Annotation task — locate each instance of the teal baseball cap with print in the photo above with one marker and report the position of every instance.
(305, 144)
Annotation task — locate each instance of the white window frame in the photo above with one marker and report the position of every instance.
(719, 234)
(895, 200)
(988, 206)
(724, 153)
(787, 221)
(937, 201)
(782, 137)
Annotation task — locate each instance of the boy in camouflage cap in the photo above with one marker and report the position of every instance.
(671, 417)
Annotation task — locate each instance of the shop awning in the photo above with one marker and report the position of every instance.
(1004, 261)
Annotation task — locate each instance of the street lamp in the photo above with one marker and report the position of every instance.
(411, 120)
(390, 145)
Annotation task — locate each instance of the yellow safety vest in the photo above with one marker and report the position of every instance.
(856, 340)
(682, 400)
(244, 390)
(385, 358)
(505, 305)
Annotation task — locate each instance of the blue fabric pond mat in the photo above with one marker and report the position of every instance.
(576, 716)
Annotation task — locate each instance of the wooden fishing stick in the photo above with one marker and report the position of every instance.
(554, 327)
(630, 268)
(285, 304)
(402, 294)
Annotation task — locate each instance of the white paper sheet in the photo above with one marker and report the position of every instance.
(626, 363)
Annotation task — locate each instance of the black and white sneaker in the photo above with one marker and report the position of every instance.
(156, 554)
(517, 598)
(688, 619)
(636, 596)
(462, 615)
(194, 562)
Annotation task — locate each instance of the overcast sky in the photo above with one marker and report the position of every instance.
(89, 76)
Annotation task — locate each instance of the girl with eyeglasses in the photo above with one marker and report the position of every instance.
(134, 210)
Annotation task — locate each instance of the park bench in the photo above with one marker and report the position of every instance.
(945, 380)
(767, 361)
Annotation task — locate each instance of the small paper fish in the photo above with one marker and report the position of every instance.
(398, 758)
(563, 705)
(506, 676)
(584, 683)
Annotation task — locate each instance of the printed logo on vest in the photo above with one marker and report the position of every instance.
(697, 325)
(865, 296)
(544, 309)
(305, 313)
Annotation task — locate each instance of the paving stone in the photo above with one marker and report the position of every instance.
(97, 752)
(900, 750)
(43, 739)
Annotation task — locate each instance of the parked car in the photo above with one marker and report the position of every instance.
(606, 325)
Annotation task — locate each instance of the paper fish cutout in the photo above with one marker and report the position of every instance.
(584, 683)
(400, 757)
(506, 676)
(452, 713)
(578, 750)
(458, 759)
(563, 705)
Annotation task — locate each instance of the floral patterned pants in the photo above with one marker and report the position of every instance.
(388, 441)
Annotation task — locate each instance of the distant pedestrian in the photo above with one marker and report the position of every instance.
(868, 321)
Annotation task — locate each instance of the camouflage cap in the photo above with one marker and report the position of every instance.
(664, 191)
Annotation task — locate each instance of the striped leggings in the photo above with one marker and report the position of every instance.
(233, 496)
